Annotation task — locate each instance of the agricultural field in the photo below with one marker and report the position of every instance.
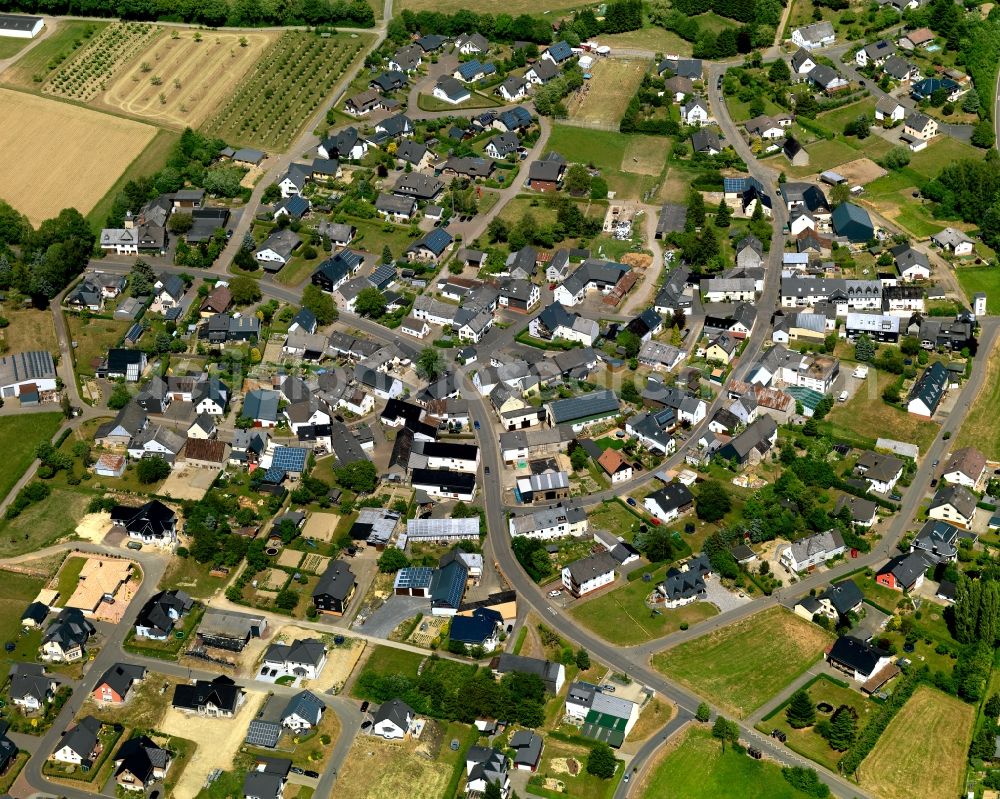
(183, 77)
(698, 768)
(602, 100)
(86, 75)
(922, 752)
(285, 88)
(19, 435)
(652, 37)
(98, 146)
(740, 666)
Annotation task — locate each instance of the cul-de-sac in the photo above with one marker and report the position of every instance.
(532, 400)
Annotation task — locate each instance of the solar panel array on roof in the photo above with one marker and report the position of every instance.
(274, 475)
(289, 459)
(414, 577)
(741, 184)
(263, 733)
(448, 585)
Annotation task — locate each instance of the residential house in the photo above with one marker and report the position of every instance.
(750, 446)
(393, 720)
(604, 717)
(30, 688)
(875, 54)
(695, 112)
(527, 747)
(481, 629)
(65, 638)
(588, 574)
(302, 658)
(431, 247)
(160, 614)
(858, 659)
(920, 126)
(966, 467)
(219, 698)
(954, 241)
(335, 589)
(553, 675)
(116, 683)
(485, 766)
(686, 584)
(955, 504)
(345, 145)
(303, 712)
(813, 550)
(139, 763)
(888, 108)
(277, 249)
(80, 745)
(937, 542)
(817, 34)
(802, 62)
(450, 90)
(880, 470)
(903, 572)
(928, 391)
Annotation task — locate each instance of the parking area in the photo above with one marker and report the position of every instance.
(722, 597)
(394, 611)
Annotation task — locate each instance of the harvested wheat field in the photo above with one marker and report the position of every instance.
(922, 753)
(181, 81)
(58, 155)
(218, 741)
(380, 769)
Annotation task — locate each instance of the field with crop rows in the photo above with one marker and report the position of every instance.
(183, 78)
(87, 74)
(284, 89)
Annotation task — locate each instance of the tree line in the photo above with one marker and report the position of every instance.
(497, 28)
(213, 13)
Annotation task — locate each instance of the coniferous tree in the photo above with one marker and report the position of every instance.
(800, 711)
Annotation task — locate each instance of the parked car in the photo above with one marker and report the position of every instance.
(555, 593)
(365, 705)
(486, 470)
(476, 424)
(313, 774)
(631, 501)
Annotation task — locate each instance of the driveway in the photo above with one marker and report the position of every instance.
(393, 612)
(722, 597)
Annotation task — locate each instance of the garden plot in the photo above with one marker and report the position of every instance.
(183, 77)
(290, 558)
(315, 564)
(273, 580)
(285, 88)
(87, 74)
(46, 142)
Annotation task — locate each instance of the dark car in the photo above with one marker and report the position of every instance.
(476, 424)
(631, 501)
(486, 470)
(861, 83)
(313, 774)
(934, 482)
(364, 706)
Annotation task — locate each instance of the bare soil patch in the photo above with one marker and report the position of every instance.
(218, 741)
(321, 526)
(195, 77)
(862, 171)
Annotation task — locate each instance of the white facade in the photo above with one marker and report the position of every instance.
(592, 584)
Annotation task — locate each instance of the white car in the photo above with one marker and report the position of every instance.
(555, 593)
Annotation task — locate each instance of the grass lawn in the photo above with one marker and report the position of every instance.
(299, 269)
(979, 427)
(651, 718)
(373, 235)
(11, 47)
(615, 518)
(974, 279)
(940, 152)
(621, 616)
(873, 417)
(606, 151)
(69, 576)
(29, 329)
(428, 102)
(698, 768)
(809, 743)
(387, 660)
(93, 338)
(16, 591)
(879, 594)
(713, 22)
(740, 666)
(649, 38)
(558, 760)
(740, 110)
(823, 155)
(150, 160)
(604, 99)
(834, 121)
(43, 523)
(19, 436)
(922, 752)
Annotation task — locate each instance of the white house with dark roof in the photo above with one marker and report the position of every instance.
(813, 550)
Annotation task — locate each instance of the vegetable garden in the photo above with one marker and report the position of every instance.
(87, 74)
(287, 86)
